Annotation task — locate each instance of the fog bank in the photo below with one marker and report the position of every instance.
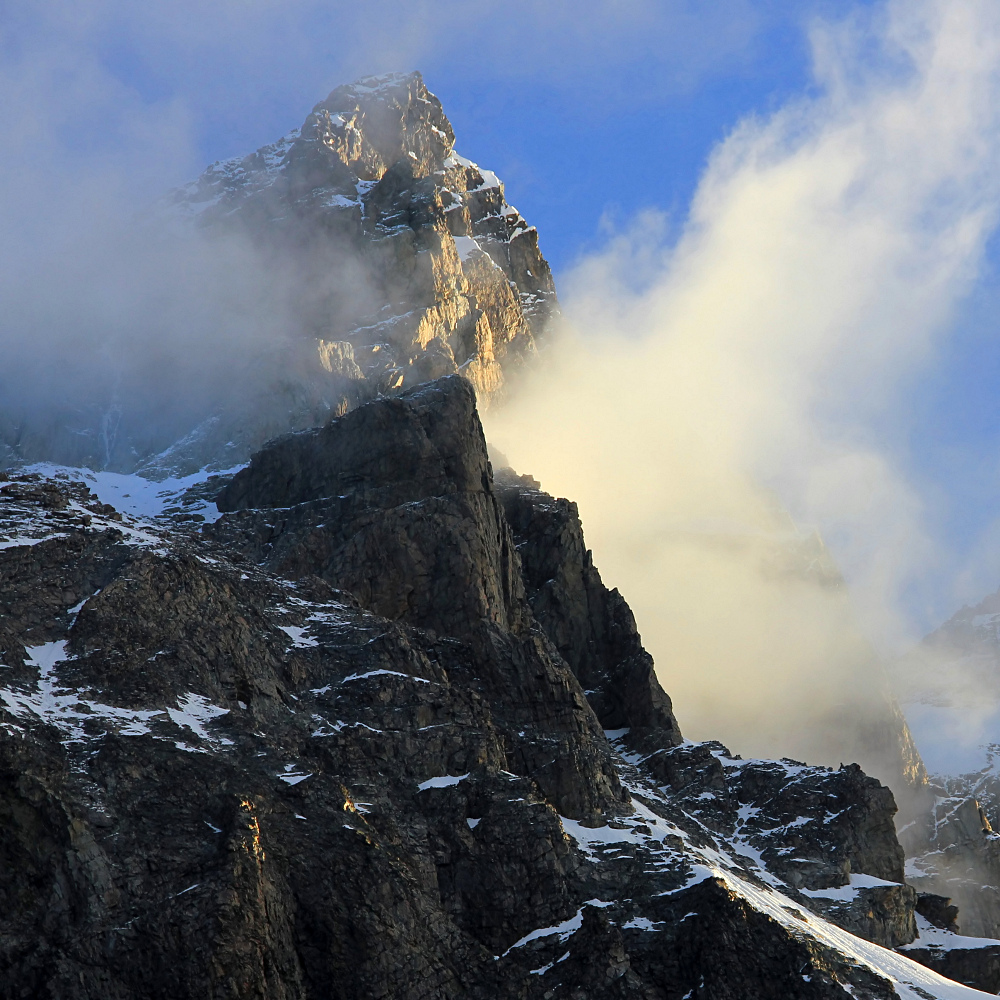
(703, 387)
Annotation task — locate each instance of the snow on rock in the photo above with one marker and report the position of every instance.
(68, 708)
(134, 494)
(300, 640)
(942, 940)
(466, 246)
(640, 924)
(443, 781)
(910, 980)
(384, 673)
(291, 776)
(847, 893)
(563, 930)
(195, 712)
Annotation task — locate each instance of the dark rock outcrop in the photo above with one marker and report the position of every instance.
(976, 965)
(815, 828)
(938, 911)
(392, 502)
(954, 851)
(856, 833)
(970, 960)
(221, 773)
(591, 626)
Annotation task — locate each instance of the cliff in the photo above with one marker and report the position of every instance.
(334, 743)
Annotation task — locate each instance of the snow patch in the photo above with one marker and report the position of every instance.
(565, 930)
(134, 494)
(26, 540)
(292, 776)
(929, 936)
(298, 636)
(388, 673)
(640, 924)
(847, 893)
(194, 712)
(444, 781)
(466, 246)
(66, 708)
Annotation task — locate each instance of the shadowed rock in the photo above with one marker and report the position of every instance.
(592, 627)
(324, 749)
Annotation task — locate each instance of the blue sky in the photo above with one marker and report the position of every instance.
(578, 130)
(591, 113)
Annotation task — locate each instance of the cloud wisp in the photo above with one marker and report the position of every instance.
(704, 388)
(104, 109)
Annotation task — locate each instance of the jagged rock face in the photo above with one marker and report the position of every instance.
(394, 503)
(389, 259)
(811, 826)
(592, 627)
(410, 263)
(445, 257)
(953, 849)
(221, 775)
(954, 852)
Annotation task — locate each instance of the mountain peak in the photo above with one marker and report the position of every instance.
(366, 257)
(378, 121)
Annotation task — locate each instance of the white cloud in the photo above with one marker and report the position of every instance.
(824, 255)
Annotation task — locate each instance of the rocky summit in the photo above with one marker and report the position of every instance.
(371, 725)
(446, 274)
(389, 260)
(314, 702)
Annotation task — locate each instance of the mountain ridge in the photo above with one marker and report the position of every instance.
(342, 711)
(442, 765)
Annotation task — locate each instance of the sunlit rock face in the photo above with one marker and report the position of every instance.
(410, 264)
(375, 257)
(453, 277)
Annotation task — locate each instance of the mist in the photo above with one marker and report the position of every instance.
(115, 314)
(726, 384)
(126, 324)
(725, 397)
(122, 329)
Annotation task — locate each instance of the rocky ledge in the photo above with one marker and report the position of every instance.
(380, 730)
